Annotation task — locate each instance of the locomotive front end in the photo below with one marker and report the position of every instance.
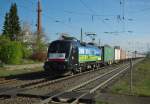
(58, 57)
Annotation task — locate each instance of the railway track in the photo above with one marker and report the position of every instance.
(30, 85)
(66, 85)
(9, 84)
(49, 82)
(50, 87)
(74, 95)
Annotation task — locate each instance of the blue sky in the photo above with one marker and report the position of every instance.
(74, 14)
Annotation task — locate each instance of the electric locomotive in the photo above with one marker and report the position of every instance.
(71, 56)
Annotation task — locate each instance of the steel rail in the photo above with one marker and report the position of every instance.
(92, 90)
(50, 98)
(45, 83)
(101, 84)
(65, 78)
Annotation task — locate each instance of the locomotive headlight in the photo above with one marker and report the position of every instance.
(72, 58)
(66, 60)
(47, 59)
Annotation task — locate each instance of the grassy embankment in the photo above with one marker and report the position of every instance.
(141, 81)
(5, 71)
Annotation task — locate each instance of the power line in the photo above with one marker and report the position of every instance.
(93, 12)
(141, 10)
(86, 6)
(84, 13)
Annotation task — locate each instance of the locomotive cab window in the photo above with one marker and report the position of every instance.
(60, 47)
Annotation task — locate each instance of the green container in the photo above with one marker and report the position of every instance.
(108, 54)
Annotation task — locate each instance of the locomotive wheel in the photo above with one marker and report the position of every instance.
(80, 70)
(72, 72)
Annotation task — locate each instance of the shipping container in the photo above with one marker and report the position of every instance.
(107, 54)
(138, 55)
(123, 54)
(129, 55)
(117, 53)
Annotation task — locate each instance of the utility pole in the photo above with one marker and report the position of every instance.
(131, 83)
(81, 35)
(39, 27)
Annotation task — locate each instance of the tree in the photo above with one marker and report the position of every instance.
(12, 24)
(40, 43)
(6, 25)
(39, 46)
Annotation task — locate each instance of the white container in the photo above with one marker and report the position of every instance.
(117, 54)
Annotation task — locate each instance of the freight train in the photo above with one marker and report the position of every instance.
(70, 56)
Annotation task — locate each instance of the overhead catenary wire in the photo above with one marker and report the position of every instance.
(93, 12)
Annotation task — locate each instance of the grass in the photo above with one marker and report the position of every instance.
(101, 102)
(141, 81)
(23, 62)
(6, 73)
(29, 61)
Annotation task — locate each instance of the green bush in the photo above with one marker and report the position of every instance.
(1, 64)
(26, 52)
(11, 52)
(39, 56)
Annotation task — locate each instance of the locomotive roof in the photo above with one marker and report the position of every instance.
(76, 41)
(63, 41)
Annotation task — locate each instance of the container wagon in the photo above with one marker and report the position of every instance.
(107, 54)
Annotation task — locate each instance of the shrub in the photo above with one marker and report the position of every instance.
(1, 64)
(11, 52)
(26, 52)
(39, 56)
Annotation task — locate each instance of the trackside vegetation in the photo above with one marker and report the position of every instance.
(11, 52)
(141, 81)
(7, 73)
(17, 42)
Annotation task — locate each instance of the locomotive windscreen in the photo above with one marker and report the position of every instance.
(60, 47)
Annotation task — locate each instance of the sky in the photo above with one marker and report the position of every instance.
(103, 17)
